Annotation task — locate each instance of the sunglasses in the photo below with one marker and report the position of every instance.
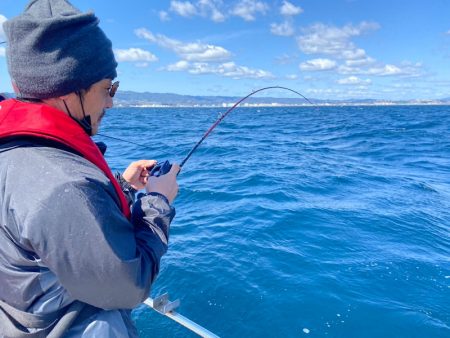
(113, 89)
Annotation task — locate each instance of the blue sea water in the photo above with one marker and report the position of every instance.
(300, 221)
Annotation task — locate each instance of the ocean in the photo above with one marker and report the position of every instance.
(301, 221)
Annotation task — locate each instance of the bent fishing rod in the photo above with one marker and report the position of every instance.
(162, 304)
(162, 168)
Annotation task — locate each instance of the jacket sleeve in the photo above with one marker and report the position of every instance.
(127, 189)
(99, 256)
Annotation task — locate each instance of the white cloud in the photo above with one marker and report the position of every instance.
(191, 51)
(179, 66)
(385, 70)
(2, 51)
(292, 77)
(2, 32)
(346, 69)
(404, 69)
(322, 39)
(289, 9)
(217, 16)
(284, 29)
(286, 59)
(354, 54)
(331, 40)
(134, 55)
(143, 33)
(318, 65)
(228, 69)
(215, 9)
(448, 32)
(353, 80)
(164, 16)
(247, 9)
(199, 58)
(204, 8)
(209, 8)
(360, 62)
(183, 8)
(323, 91)
(201, 52)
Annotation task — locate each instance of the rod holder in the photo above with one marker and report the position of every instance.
(164, 306)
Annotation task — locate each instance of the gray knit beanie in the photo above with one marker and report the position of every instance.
(53, 49)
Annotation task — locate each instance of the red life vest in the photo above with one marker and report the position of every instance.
(28, 119)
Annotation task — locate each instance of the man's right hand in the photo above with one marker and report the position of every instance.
(165, 184)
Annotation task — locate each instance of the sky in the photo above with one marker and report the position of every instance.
(325, 49)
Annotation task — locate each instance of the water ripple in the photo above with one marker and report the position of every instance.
(335, 219)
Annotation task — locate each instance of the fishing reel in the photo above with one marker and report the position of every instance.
(161, 168)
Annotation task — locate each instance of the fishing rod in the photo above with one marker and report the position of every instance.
(162, 168)
(230, 110)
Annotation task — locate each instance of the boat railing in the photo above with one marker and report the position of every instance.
(164, 306)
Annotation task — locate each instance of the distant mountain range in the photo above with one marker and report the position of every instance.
(146, 99)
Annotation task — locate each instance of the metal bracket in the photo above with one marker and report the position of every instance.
(165, 307)
(162, 304)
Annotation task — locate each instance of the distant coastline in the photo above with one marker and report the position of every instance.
(279, 105)
(169, 100)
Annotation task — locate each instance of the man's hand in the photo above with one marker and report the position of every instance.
(165, 184)
(137, 173)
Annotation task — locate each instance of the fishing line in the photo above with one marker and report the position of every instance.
(230, 110)
(119, 139)
(167, 165)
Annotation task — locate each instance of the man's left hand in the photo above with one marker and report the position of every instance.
(137, 173)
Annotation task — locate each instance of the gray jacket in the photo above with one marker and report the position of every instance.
(64, 241)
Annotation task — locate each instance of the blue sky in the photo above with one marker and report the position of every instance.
(326, 49)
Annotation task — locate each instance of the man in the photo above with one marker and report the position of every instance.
(73, 259)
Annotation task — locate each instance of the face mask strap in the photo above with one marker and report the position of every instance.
(85, 122)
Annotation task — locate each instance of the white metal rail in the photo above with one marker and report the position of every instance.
(167, 308)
